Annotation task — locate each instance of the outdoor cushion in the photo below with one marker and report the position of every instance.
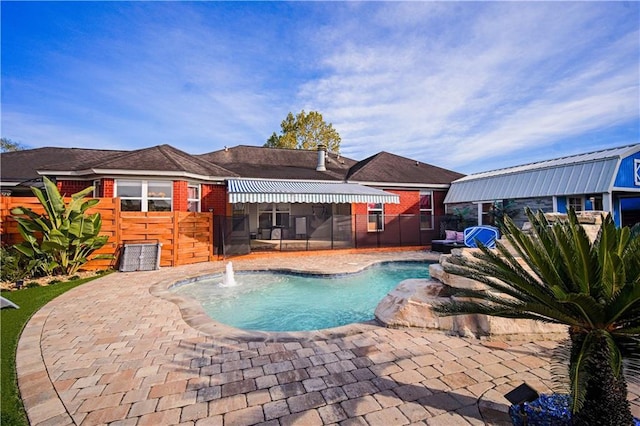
(450, 235)
(459, 237)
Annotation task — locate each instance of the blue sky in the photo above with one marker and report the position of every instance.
(466, 86)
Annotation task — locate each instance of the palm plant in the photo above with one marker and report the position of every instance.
(593, 287)
(61, 239)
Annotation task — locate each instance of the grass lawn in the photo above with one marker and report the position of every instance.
(12, 321)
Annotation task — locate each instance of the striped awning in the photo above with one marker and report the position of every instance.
(280, 191)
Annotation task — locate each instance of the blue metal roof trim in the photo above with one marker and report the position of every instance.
(279, 191)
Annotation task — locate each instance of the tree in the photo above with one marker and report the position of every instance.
(592, 287)
(61, 239)
(305, 131)
(7, 145)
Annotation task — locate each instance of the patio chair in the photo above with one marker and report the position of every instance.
(486, 235)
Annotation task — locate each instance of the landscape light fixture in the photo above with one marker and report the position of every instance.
(520, 395)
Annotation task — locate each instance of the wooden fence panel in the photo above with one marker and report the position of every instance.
(150, 226)
(186, 238)
(107, 207)
(195, 239)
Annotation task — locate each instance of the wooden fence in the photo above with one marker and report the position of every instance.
(185, 237)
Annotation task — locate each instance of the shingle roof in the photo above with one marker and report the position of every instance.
(161, 158)
(164, 158)
(20, 166)
(391, 168)
(241, 161)
(276, 163)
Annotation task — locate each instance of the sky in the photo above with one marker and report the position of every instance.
(468, 86)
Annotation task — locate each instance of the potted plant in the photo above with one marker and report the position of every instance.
(593, 287)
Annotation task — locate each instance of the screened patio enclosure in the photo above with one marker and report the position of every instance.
(294, 215)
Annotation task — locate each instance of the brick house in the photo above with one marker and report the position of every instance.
(265, 193)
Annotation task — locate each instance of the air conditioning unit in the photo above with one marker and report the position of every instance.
(140, 257)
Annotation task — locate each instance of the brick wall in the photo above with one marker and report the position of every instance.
(108, 187)
(180, 194)
(70, 187)
(409, 204)
(215, 197)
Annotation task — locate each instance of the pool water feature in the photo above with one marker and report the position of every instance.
(283, 301)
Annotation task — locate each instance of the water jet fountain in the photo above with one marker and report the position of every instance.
(228, 279)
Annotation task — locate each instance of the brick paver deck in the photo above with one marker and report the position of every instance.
(113, 352)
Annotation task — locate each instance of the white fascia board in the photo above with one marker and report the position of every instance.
(403, 185)
(125, 173)
(287, 180)
(623, 189)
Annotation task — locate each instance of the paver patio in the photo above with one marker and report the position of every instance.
(113, 352)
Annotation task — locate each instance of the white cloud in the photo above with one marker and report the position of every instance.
(518, 75)
(442, 82)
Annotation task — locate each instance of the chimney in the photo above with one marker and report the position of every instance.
(322, 151)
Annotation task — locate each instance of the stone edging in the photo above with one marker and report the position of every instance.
(41, 401)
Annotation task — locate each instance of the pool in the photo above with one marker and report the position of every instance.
(284, 301)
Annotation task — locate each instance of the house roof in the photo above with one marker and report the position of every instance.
(148, 161)
(249, 162)
(167, 159)
(277, 163)
(21, 166)
(592, 172)
(390, 168)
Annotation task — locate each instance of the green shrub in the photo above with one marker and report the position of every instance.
(32, 284)
(13, 266)
(60, 240)
(593, 287)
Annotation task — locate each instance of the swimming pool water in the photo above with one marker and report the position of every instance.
(278, 301)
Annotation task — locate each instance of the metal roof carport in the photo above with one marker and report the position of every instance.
(602, 172)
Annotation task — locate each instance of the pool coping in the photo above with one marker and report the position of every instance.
(194, 314)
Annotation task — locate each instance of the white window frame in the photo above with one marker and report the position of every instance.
(373, 209)
(195, 201)
(96, 188)
(144, 189)
(425, 212)
(636, 171)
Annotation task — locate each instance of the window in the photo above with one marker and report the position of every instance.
(636, 171)
(375, 217)
(487, 213)
(144, 196)
(593, 202)
(96, 188)
(574, 203)
(426, 210)
(193, 197)
(273, 214)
